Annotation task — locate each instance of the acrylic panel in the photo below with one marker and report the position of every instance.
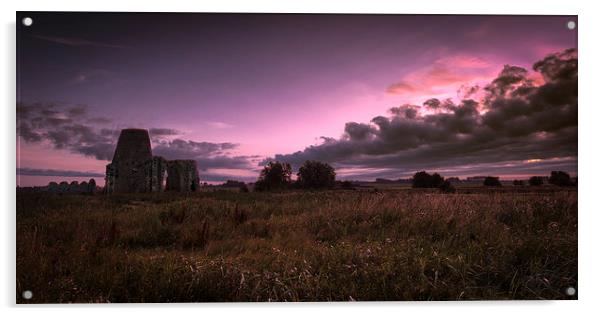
(233, 157)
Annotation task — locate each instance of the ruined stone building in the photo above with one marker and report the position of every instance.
(134, 169)
(182, 176)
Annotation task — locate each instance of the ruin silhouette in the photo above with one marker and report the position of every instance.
(134, 169)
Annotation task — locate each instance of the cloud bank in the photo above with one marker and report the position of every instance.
(516, 121)
(71, 128)
(57, 173)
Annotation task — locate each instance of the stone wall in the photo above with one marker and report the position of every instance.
(143, 176)
(182, 176)
(110, 178)
(154, 176)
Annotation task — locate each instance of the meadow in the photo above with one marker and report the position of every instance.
(336, 245)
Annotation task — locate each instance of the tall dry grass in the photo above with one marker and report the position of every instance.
(297, 246)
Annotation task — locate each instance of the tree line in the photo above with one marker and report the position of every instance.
(320, 175)
(423, 179)
(312, 175)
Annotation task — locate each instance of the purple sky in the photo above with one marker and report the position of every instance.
(232, 90)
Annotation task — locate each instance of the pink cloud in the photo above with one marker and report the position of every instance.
(400, 88)
(443, 77)
(544, 49)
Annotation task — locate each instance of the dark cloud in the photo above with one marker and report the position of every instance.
(183, 149)
(27, 133)
(162, 132)
(357, 131)
(432, 103)
(407, 110)
(76, 41)
(65, 127)
(226, 162)
(515, 121)
(78, 110)
(57, 173)
(208, 155)
(558, 67)
(98, 120)
(508, 80)
(221, 177)
(468, 91)
(69, 128)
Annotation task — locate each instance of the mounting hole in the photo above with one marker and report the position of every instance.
(27, 21)
(571, 25)
(570, 291)
(27, 295)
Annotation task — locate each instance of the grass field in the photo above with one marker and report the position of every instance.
(298, 246)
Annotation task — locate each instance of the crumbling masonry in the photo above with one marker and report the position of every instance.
(134, 169)
(182, 176)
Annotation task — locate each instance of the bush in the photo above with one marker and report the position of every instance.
(348, 185)
(560, 178)
(316, 175)
(492, 182)
(447, 187)
(233, 184)
(535, 181)
(424, 180)
(274, 176)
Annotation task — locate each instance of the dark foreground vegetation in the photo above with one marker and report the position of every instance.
(398, 244)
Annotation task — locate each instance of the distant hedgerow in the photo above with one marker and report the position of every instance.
(492, 182)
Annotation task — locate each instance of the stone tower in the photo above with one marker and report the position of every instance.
(126, 173)
(182, 176)
(133, 146)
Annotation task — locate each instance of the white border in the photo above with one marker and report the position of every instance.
(590, 260)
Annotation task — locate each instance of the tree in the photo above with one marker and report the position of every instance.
(274, 176)
(316, 175)
(535, 181)
(436, 180)
(91, 186)
(492, 182)
(560, 178)
(518, 182)
(423, 179)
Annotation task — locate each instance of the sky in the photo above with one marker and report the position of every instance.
(376, 96)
